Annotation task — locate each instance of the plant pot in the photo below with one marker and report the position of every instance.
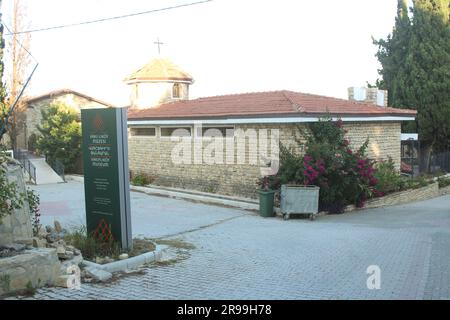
(266, 202)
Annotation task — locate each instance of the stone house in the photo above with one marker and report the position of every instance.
(35, 105)
(224, 144)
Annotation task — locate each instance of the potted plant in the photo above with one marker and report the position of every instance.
(266, 199)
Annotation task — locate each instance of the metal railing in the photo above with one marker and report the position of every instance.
(440, 161)
(22, 157)
(58, 167)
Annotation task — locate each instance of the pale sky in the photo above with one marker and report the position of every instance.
(228, 46)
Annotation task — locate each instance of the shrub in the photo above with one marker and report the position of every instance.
(345, 176)
(10, 198)
(33, 202)
(60, 138)
(141, 179)
(389, 178)
(444, 182)
(91, 247)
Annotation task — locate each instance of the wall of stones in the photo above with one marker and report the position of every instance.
(232, 176)
(34, 115)
(18, 225)
(407, 196)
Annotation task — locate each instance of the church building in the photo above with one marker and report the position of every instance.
(170, 135)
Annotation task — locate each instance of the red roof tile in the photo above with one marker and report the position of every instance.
(274, 103)
(56, 93)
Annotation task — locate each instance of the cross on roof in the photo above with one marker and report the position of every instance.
(159, 43)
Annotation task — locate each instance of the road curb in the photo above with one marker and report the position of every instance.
(130, 263)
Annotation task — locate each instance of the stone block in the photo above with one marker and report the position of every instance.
(98, 274)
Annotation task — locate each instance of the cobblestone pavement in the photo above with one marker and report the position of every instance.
(249, 257)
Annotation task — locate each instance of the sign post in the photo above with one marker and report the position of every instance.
(106, 175)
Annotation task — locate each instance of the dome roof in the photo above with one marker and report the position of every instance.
(160, 69)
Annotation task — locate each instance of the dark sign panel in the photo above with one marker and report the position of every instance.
(106, 174)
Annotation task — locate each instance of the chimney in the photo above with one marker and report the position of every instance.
(368, 95)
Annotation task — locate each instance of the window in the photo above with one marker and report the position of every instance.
(136, 91)
(176, 132)
(226, 132)
(176, 91)
(143, 132)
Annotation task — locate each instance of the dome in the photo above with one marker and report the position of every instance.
(160, 69)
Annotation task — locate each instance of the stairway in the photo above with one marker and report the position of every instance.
(44, 173)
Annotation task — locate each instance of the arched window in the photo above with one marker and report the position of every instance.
(176, 90)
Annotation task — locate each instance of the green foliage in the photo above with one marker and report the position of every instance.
(444, 182)
(344, 176)
(3, 109)
(389, 178)
(91, 247)
(415, 63)
(33, 202)
(60, 135)
(5, 282)
(10, 197)
(141, 179)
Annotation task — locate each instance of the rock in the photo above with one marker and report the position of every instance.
(99, 260)
(98, 274)
(61, 252)
(42, 233)
(39, 243)
(14, 246)
(49, 229)
(108, 260)
(51, 237)
(123, 256)
(25, 242)
(69, 254)
(65, 281)
(58, 227)
(77, 252)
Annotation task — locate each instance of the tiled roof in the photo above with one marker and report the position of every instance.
(160, 69)
(60, 92)
(264, 104)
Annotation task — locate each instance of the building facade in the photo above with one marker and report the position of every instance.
(224, 144)
(35, 105)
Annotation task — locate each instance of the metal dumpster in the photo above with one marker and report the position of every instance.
(298, 199)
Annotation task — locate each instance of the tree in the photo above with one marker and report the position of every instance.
(2, 88)
(392, 55)
(60, 138)
(415, 70)
(19, 45)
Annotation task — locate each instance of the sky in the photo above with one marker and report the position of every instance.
(228, 46)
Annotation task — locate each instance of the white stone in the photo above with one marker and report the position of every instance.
(123, 256)
(98, 274)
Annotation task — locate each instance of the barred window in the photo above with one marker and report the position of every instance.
(146, 132)
(176, 132)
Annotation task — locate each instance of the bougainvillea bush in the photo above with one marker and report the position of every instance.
(345, 176)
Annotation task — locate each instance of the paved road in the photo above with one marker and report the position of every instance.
(243, 256)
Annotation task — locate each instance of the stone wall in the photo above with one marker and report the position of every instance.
(428, 192)
(153, 156)
(34, 115)
(35, 268)
(18, 225)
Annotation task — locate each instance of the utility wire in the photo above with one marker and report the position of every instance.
(110, 18)
(4, 124)
(20, 44)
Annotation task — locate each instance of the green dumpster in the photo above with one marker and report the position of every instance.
(266, 199)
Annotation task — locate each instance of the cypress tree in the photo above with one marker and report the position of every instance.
(2, 87)
(429, 85)
(416, 70)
